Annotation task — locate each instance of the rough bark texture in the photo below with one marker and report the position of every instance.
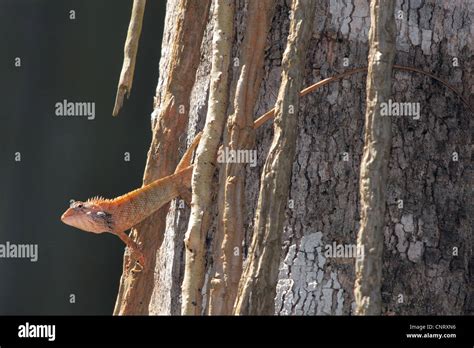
(172, 108)
(239, 135)
(169, 271)
(202, 180)
(420, 273)
(257, 287)
(376, 154)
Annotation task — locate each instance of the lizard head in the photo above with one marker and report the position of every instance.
(87, 216)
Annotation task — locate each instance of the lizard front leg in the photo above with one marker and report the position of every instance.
(134, 247)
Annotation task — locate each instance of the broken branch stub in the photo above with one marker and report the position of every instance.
(130, 54)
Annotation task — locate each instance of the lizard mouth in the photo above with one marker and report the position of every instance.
(66, 217)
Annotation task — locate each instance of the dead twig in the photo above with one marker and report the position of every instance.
(130, 54)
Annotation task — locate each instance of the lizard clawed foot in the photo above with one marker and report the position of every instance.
(135, 251)
(140, 258)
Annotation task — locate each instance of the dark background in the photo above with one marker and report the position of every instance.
(65, 158)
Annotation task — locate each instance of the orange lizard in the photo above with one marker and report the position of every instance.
(117, 215)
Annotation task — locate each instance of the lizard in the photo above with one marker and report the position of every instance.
(117, 215)
(99, 215)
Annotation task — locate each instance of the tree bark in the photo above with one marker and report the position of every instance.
(202, 183)
(172, 107)
(257, 287)
(374, 165)
(427, 259)
(238, 136)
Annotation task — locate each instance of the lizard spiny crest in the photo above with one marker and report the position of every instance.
(97, 199)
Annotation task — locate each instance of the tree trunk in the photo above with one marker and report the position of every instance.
(239, 135)
(427, 267)
(172, 109)
(258, 284)
(374, 165)
(205, 164)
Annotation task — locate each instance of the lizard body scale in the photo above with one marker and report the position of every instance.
(117, 215)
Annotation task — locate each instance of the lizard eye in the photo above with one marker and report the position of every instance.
(80, 205)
